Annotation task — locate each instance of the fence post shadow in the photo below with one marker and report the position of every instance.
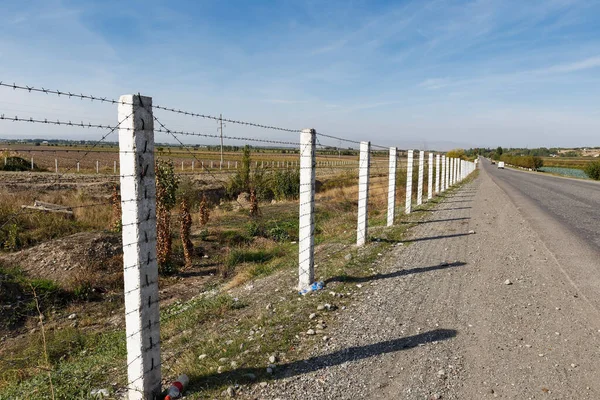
(250, 375)
(395, 274)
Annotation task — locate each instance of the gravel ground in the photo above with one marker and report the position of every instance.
(458, 315)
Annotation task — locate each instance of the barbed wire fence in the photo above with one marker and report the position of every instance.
(364, 188)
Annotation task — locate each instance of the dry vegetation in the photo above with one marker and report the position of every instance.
(229, 248)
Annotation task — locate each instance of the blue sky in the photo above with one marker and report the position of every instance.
(423, 74)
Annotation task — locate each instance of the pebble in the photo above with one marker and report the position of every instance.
(220, 369)
(508, 282)
(222, 360)
(264, 384)
(272, 359)
(320, 307)
(230, 391)
(312, 316)
(269, 370)
(72, 316)
(441, 373)
(321, 327)
(234, 364)
(310, 332)
(202, 356)
(348, 257)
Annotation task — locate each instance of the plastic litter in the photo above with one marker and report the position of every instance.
(176, 389)
(312, 288)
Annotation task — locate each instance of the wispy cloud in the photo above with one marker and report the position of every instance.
(337, 66)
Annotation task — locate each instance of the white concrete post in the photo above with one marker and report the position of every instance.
(363, 193)
(228, 164)
(211, 164)
(409, 174)
(182, 165)
(391, 213)
(56, 165)
(192, 165)
(77, 166)
(31, 162)
(138, 204)
(5, 161)
(97, 167)
(454, 170)
(420, 178)
(306, 243)
(444, 182)
(450, 172)
(448, 183)
(437, 173)
(430, 177)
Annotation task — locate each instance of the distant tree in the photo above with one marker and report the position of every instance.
(593, 170)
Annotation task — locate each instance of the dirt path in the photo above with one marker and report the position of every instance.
(439, 322)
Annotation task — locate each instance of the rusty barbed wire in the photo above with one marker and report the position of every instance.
(101, 99)
(58, 122)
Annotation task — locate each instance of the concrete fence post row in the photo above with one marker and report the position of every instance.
(138, 204)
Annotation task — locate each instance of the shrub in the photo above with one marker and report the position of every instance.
(186, 189)
(286, 184)
(240, 181)
(166, 189)
(261, 185)
(593, 170)
(115, 201)
(18, 164)
(254, 229)
(278, 234)
(532, 162)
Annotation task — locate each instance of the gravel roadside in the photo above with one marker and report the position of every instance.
(456, 315)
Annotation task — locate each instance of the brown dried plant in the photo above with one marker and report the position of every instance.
(186, 227)
(204, 211)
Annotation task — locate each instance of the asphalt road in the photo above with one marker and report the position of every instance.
(575, 204)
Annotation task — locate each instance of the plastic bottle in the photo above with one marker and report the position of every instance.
(177, 387)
